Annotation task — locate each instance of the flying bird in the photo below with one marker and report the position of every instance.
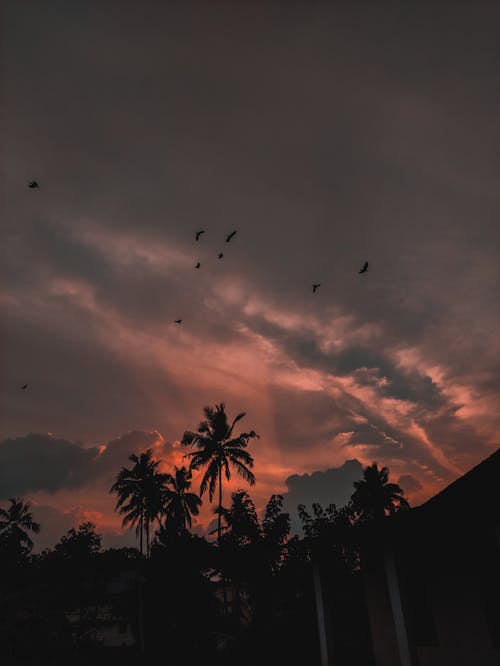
(364, 269)
(24, 387)
(230, 236)
(198, 234)
(198, 265)
(177, 321)
(33, 184)
(220, 255)
(315, 286)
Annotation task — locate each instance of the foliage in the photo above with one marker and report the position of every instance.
(15, 523)
(80, 543)
(241, 523)
(179, 504)
(217, 450)
(374, 496)
(329, 530)
(141, 491)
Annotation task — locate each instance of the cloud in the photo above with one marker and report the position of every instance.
(409, 484)
(45, 463)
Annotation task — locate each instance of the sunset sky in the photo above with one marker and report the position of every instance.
(326, 134)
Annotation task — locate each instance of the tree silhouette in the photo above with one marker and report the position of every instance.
(241, 523)
(275, 531)
(179, 504)
(218, 450)
(328, 530)
(81, 543)
(15, 523)
(374, 495)
(141, 491)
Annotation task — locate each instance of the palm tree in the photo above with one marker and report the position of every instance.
(179, 504)
(141, 492)
(374, 495)
(15, 521)
(218, 450)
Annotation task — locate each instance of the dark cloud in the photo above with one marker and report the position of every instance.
(409, 484)
(45, 463)
(331, 486)
(38, 462)
(317, 417)
(371, 435)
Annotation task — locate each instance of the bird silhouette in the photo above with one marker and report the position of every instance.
(33, 184)
(230, 236)
(364, 269)
(198, 234)
(24, 387)
(315, 286)
(177, 321)
(220, 255)
(198, 265)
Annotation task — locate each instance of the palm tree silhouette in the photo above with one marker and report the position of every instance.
(15, 521)
(218, 450)
(374, 495)
(141, 491)
(179, 504)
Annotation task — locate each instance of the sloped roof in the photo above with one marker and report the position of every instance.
(476, 492)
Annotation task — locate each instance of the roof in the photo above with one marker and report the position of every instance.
(471, 501)
(475, 492)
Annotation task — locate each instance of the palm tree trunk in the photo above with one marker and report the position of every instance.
(219, 533)
(140, 580)
(220, 507)
(147, 538)
(140, 535)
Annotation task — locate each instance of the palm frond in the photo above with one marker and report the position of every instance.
(244, 472)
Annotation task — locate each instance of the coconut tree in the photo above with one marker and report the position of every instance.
(141, 491)
(218, 450)
(374, 496)
(179, 504)
(15, 523)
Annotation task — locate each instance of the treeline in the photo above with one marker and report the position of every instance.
(247, 596)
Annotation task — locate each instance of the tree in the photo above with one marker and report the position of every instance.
(141, 491)
(15, 523)
(275, 530)
(241, 523)
(375, 496)
(329, 530)
(218, 450)
(179, 504)
(80, 543)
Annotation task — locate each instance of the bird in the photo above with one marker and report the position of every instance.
(315, 286)
(177, 321)
(198, 265)
(220, 255)
(33, 184)
(230, 236)
(364, 269)
(198, 234)
(24, 387)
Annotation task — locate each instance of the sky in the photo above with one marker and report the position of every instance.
(327, 135)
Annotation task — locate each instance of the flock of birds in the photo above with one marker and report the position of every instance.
(198, 235)
(33, 185)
